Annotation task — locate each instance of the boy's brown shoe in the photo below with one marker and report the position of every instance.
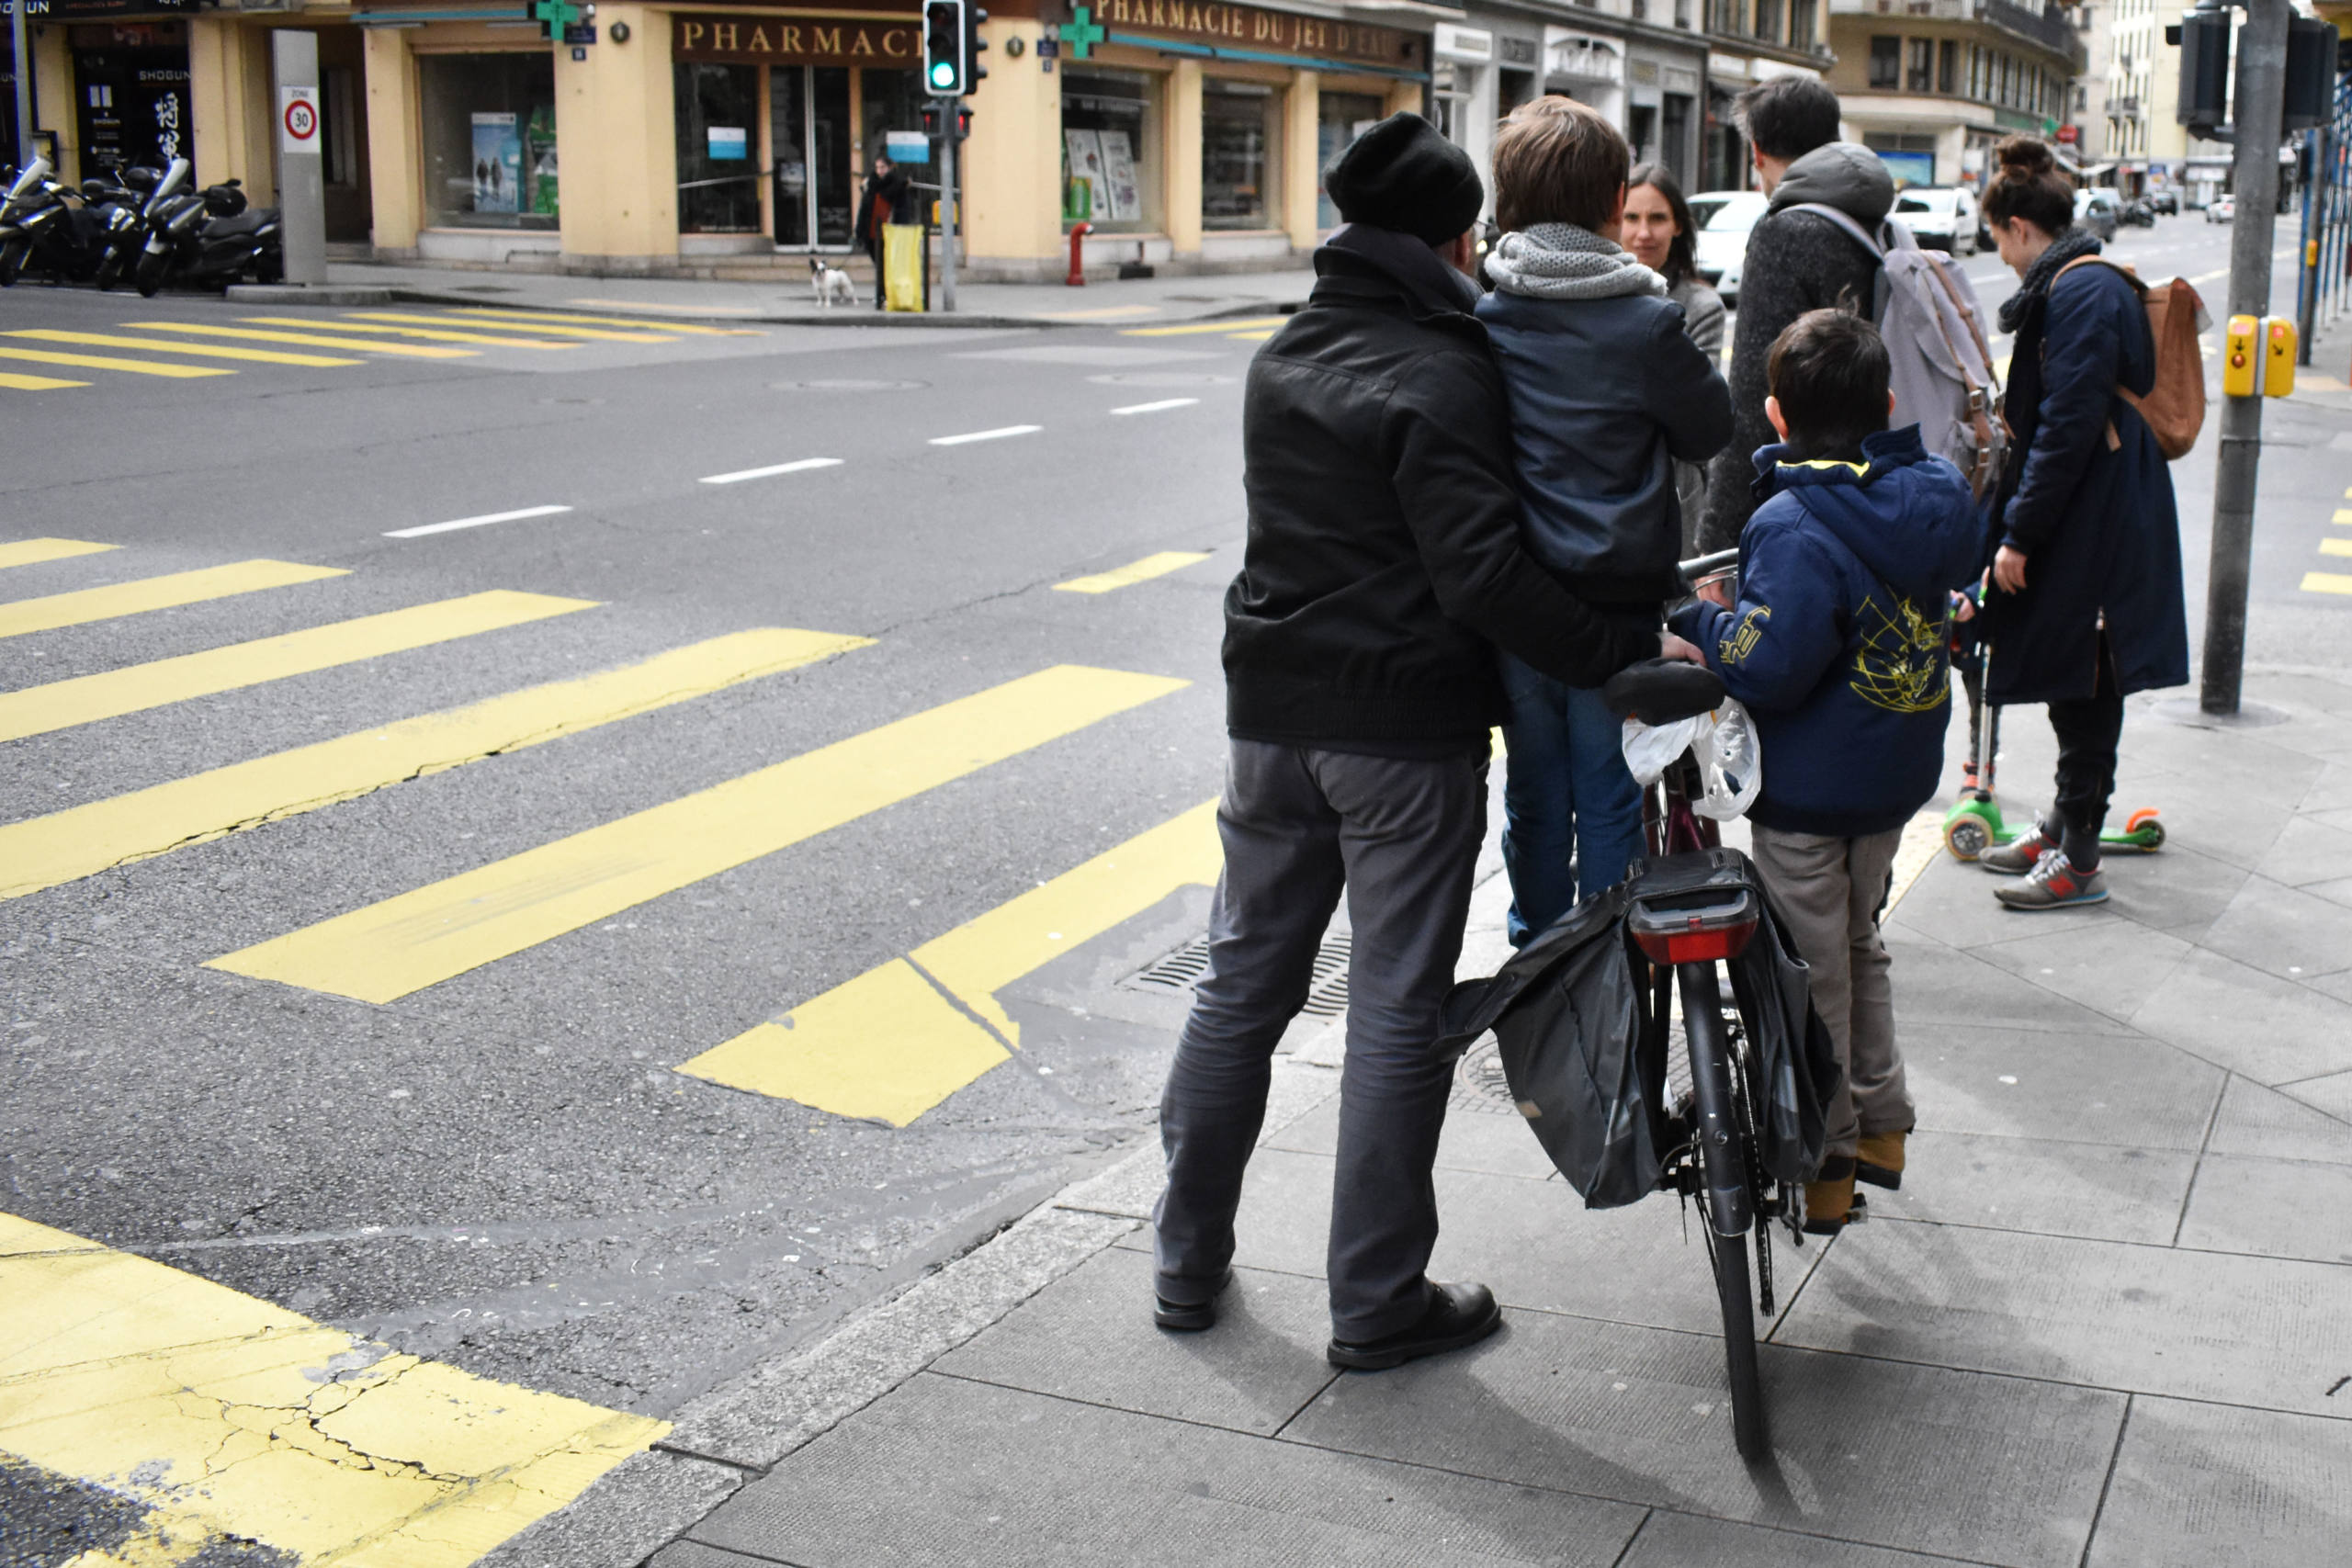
(1829, 1201)
(1880, 1160)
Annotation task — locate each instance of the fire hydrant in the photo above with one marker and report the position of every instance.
(1078, 254)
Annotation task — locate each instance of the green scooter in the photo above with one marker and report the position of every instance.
(1974, 825)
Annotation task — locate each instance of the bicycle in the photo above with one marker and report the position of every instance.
(1691, 908)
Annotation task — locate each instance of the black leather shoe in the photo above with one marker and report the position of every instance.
(1457, 1316)
(1189, 1317)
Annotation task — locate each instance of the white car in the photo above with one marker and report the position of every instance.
(1942, 217)
(1723, 236)
(2222, 209)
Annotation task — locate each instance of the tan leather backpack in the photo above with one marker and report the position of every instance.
(2174, 407)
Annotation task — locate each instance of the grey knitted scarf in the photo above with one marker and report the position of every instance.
(2069, 245)
(1561, 261)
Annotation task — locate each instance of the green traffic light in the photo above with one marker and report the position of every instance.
(943, 74)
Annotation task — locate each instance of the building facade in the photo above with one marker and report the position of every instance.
(1932, 85)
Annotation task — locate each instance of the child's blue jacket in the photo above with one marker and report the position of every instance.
(1838, 646)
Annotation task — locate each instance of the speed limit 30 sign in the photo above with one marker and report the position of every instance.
(297, 120)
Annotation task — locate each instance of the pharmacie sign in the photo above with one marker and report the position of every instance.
(1248, 27)
(798, 40)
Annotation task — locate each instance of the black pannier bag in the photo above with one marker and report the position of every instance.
(1585, 1055)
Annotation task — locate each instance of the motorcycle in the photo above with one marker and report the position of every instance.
(208, 236)
(115, 206)
(33, 209)
(2139, 215)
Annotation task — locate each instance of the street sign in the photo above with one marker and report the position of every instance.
(298, 119)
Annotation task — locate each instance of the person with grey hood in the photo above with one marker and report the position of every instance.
(1797, 261)
(1606, 391)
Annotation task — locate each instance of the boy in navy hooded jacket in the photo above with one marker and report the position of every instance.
(1839, 650)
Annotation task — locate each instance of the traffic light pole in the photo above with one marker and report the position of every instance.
(23, 72)
(2260, 110)
(949, 108)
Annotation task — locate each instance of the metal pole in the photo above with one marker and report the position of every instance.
(301, 168)
(22, 68)
(2307, 250)
(2260, 108)
(948, 114)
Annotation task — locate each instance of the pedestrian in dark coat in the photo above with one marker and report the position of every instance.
(1383, 552)
(1796, 262)
(886, 199)
(2085, 604)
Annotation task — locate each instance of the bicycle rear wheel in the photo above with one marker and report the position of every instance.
(1730, 1208)
(1737, 1298)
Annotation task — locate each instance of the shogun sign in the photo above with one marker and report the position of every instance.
(1246, 27)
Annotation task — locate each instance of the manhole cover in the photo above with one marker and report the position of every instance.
(1161, 379)
(486, 288)
(582, 402)
(1480, 1084)
(847, 383)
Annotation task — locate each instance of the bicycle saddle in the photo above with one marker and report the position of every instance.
(1660, 691)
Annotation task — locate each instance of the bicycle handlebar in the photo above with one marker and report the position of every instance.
(1708, 565)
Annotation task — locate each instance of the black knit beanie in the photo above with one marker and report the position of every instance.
(1402, 174)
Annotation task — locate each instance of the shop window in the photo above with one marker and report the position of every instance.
(489, 139)
(1641, 132)
(1922, 71)
(889, 101)
(1240, 156)
(1340, 118)
(1111, 150)
(1674, 140)
(1886, 61)
(719, 145)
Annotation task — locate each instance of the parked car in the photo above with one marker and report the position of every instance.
(2097, 211)
(2167, 200)
(2222, 209)
(1942, 217)
(1723, 236)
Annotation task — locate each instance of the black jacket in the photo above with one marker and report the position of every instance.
(1796, 262)
(897, 205)
(1384, 551)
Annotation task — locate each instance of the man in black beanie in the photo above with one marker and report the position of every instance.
(1382, 564)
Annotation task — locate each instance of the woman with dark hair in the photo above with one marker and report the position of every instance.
(2084, 604)
(1659, 234)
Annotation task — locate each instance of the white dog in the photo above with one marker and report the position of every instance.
(832, 285)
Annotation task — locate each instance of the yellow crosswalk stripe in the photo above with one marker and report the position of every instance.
(309, 340)
(107, 362)
(61, 705)
(215, 1411)
(644, 333)
(17, 383)
(2327, 582)
(384, 952)
(2342, 513)
(154, 594)
(352, 326)
(1190, 328)
(216, 351)
(43, 851)
(1250, 337)
(2335, 546)
(893, 1042)
(420, 327)
(1143, 571)
(31, 552)
(691, 328)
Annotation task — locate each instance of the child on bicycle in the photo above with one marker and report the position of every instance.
(1839, 647)
(1606, 392)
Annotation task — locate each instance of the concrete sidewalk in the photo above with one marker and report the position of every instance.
(2102, 1324)
(1104, 301)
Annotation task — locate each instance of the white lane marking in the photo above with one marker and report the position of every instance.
(997, 435)
(1155, 408)
(475, 521)
(803, 465)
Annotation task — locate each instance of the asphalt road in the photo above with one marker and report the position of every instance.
(448, 1128)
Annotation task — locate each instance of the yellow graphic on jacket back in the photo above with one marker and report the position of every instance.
(1899, 663)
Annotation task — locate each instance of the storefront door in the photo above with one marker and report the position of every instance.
(131, 94)
(809, 132)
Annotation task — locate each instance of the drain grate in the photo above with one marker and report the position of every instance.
(1480, 1084)
(1326, 993)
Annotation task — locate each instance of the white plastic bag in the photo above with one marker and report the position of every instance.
(1731, 762)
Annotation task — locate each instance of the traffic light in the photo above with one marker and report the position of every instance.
(945, 62)
(974, 72)
(2203, 37)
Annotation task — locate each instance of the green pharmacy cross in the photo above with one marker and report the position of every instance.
(1081, 35)
(554, 16)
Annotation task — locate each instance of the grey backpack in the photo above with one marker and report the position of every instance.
(1942, 366)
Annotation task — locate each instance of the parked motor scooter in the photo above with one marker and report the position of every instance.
(118, 208)
(2139, 214)
(210, 236)
(33, 209)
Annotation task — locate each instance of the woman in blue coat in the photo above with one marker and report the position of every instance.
(2085, 606)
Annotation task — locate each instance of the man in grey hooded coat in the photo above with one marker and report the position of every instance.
(1796, 262)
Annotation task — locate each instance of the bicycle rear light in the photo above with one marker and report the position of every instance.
(1693, 932)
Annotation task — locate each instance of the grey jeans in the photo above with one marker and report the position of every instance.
(1831, 891)
(1298, 825)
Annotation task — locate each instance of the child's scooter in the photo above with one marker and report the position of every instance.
(1974, 824)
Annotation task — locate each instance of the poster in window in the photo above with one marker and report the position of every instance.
(498, 164)
(1085, 149)
(1119, 169)
(545, 199)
